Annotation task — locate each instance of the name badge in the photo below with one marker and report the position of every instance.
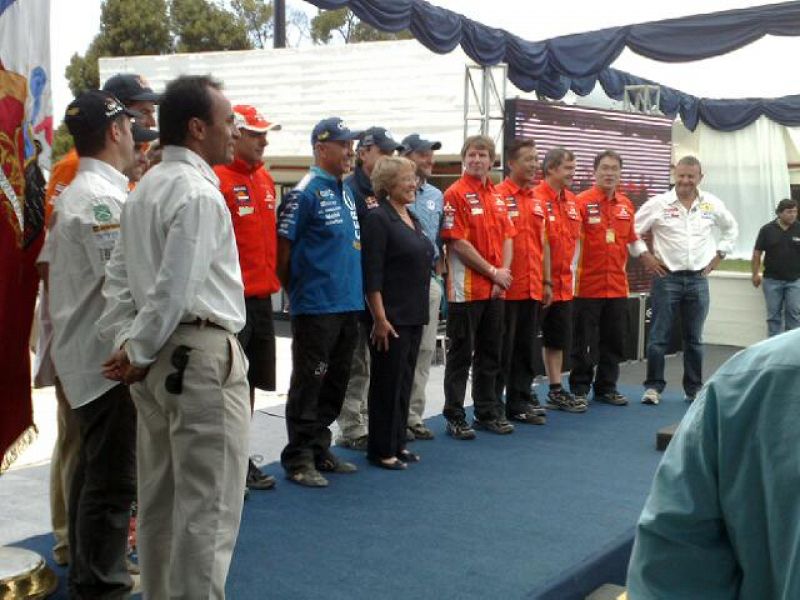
(245, 210)
(611, 236)
(594, 220)
(477, 211)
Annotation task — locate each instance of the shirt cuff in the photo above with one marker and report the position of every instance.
(136, 354)
(637, 248)
(725, 247)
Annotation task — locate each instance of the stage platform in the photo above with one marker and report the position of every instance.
(547, 512)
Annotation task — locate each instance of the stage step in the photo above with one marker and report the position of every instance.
(664, 436)
(608, 591)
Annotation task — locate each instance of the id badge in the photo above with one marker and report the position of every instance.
(611, 236)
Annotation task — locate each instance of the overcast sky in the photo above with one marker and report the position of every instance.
(763, 69)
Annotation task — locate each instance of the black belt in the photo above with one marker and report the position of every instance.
(686, 273)
(198, 322)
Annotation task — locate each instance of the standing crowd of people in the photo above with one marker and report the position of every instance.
(158, 284)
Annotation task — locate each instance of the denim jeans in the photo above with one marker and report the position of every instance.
(686, 294)
(783, 304)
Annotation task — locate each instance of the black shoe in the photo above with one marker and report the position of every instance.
(614, 398)
(460, 429)
(561, 399)
(408, 457)
(387, 463)
(257, 480)
(499, 426)
(528, 417)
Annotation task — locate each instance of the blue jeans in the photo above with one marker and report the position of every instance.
(783, 303)
(686, 294)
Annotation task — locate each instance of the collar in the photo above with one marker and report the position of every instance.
(673, 197)
(183, 154)
(475, 183)
(363, 182)
(516, 189)
(601, 194)
(244, 167)
(105, 170)
(320, 172)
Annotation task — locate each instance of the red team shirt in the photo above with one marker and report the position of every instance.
(607, 231)
(528, 214)
(474, 212)
(563, 231)
(250, 195)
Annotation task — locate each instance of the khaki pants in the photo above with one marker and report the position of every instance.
(427, 348)
(66, 452)
(353, 419)
(192, 450)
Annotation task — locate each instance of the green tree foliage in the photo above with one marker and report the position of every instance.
(256, 16)
(202, 25)
(342, 23)
(62, 143)
(135, 28)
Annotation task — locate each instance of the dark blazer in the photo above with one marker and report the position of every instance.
(397, 262)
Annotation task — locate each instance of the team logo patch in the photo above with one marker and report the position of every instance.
(372, 202)
(102, 213)
(241, 194)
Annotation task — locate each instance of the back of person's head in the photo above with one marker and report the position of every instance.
(185, 98)
(554, 158)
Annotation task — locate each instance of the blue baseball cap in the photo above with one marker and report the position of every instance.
(414, 143)
(332, 129)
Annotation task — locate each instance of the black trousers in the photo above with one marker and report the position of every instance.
(103, 488)
(391, 377)
(598, 344)
(519, 339)
(322, 348)
(475, 334)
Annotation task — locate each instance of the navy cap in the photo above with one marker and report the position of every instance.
(94, 110)
(414, 143)
(332, 129)
(131, 88)
(143, 135)
(380, 137)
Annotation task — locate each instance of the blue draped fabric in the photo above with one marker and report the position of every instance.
(577, 62)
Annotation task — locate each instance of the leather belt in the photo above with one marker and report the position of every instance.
(685, 273)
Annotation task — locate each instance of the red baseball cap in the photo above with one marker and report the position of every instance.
(247, 117)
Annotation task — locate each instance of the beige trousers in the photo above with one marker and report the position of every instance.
(62, 468)
(192, 450)
(427, 347)
(353, 420)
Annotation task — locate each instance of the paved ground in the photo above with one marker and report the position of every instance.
(24, 488)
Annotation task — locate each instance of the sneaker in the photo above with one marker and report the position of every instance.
(307, 478)
(563, 400)
(359, 443)
(256, 479)
(580, 399)
(529, 416)
(651, 396)
(460, 429)
(421, 432)
(614, 398)
(410, 437)
(688, 398)
(498, 426)
(334, 465)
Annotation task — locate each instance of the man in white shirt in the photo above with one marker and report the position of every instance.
(682, 222)
(85, 227)
(175, 302)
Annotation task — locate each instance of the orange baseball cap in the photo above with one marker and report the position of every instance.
(247, 117)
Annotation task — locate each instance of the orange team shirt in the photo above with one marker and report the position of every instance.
(61, 176)
(528, 214)
(563, 231)
(607, 231)
(250, 195)
(474, 212)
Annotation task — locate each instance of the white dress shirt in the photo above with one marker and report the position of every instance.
(84, 232)
(176, 260)
(686, 240)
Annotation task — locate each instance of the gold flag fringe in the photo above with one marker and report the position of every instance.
(25, 439)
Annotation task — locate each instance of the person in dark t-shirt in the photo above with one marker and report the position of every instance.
(779, 243)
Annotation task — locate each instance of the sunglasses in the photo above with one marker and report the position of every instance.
(179, 360)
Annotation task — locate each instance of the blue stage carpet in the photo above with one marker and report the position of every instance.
(547, 512)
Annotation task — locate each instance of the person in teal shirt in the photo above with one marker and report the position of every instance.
(723, 516)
